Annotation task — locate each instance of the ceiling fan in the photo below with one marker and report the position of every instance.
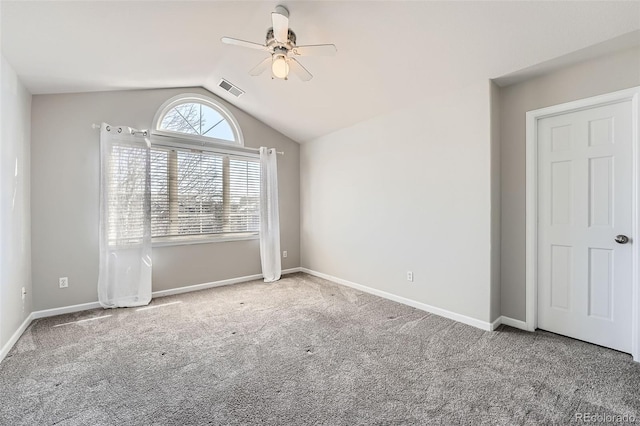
(281, 45)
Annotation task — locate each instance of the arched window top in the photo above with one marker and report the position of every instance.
(199, 118)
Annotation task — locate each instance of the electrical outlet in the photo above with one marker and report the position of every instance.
(284, 253)
(24, 293)
(64, 282)
(409, 276)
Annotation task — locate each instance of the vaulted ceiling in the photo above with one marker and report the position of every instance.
(390, 53)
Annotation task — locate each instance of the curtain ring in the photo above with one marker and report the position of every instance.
(108, 128)
(119, 129)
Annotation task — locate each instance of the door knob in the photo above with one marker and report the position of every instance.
(622, 239)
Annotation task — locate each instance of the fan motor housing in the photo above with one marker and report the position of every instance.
(271, 40)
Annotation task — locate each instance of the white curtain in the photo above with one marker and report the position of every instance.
(125, 217)
(269, 216)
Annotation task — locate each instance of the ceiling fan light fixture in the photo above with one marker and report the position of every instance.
(280, 45)
(280, 66)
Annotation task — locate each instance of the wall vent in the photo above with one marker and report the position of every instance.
(234, 90)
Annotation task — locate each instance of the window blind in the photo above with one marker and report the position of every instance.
(244, 196)
(203, 193)
(125, 181)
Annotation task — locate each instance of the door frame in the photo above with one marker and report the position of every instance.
(532, 117)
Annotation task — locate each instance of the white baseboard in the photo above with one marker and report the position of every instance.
(483, 325)
(203, 286)
(179, 290)
(161, 293)
(64, 310)
(14, 338)
(496, 323)
(93, 305)
(513, 323)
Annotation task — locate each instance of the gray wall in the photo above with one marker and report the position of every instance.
(594, 77)
(15, 231)
(65, 175)
(408, 190)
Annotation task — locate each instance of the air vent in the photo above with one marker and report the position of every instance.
(234, 90)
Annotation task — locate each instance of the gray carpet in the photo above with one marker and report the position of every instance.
(302, 351)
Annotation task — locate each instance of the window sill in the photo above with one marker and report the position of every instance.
(184, 241)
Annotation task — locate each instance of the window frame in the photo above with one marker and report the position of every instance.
(191, 139)
(176, 140)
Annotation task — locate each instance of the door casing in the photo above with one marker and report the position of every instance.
(633, 95)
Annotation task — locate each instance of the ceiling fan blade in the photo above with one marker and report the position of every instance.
(261, 67)
(280, 20)
(315, 50)
(297, 68)
(242, 43)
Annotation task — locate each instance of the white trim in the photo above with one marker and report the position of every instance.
(14, 338)
(522, 325)
(531, 218)
(496, 324)
(65, 310)
(198, 287)
(510, 322)
(45, 313)
(632, 95)
(170, 142)
(483, 325)
(199, 239)
(206, 100)
(635, 233)
(203, 286)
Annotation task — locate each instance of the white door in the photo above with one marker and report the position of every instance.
(585, 172)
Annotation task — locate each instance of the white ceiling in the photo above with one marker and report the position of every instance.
(389, 53)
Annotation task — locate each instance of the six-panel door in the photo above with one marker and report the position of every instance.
(584, 202)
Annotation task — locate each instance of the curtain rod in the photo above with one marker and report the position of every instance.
(134, 132)
(146, 133)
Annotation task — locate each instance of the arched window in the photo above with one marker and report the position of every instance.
(211, 193)
(197, 118)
